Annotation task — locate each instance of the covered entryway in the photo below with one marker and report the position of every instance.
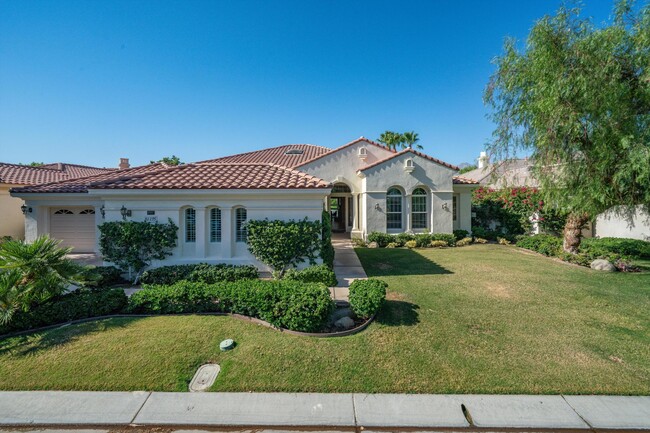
(74, 227)
(341, 208)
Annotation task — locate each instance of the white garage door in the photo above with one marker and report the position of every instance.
(74, 227)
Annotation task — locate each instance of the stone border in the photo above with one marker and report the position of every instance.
(236, 316)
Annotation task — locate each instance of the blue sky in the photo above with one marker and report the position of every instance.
(91, 81)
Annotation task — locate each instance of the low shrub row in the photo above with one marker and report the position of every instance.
(422, 240)
(201, 272)
(103, 276)
(313, 274)
(366, 297)
(287, 304)
(80, 304)
(617, 251)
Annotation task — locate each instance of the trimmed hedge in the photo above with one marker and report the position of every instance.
(632, 248)
(201, 272)
(104, 276)
(285, 304)
(422, 240)
(543, 244)
(80, 304)
(313, 274)
(460, 234)
(366, 297)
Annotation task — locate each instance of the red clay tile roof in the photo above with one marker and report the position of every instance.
(217, 176)
(79, 185)
(330, 151)
(189, 176)
(298, 154)
(461, 180)
(27, 175)
(415, 152)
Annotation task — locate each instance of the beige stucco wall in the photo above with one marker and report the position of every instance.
(12, 221)
(636, 225)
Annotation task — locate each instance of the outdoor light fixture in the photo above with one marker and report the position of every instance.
(125, 212)
(445, 207)
(25, 209)
(377, 206)
(102, 210)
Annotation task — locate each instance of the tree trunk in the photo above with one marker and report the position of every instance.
(573, 231)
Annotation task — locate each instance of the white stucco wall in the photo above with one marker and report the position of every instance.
(277, 204)
(617, 225)
(436, 179)
(12, 221)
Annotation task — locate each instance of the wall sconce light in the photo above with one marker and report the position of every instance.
(102, 210)
(445, 207)
(125, 212)
(377, 207)
(25, 209)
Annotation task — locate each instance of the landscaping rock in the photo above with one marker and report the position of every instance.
(603, 265)
(340, 313)
(344, 323)
(373, 245)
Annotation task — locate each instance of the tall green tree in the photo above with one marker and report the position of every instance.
(169, 160)
(576, 97)
(397, 140)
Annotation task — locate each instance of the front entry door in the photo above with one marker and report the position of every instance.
(337, 211)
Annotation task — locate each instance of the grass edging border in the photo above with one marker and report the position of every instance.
(242, 317)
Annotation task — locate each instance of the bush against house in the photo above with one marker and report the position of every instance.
(511, 212)
(286, 304)
(132, 245)
(284, 244)
(199, 272)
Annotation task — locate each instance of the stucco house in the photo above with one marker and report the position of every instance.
(366, 187)
(12, 222)
(618, 222)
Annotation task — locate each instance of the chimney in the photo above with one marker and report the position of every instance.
(59, 166)
(483, 160)
(124, 163)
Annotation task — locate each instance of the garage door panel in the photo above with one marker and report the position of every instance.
(74, 227)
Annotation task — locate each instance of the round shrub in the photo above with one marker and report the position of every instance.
(392, 245)
(366, 297)
(439, 244)
(542, 243)
(460, 234)
(480, 241)
(411, 244)
(313, 274)
(463, 242)
(382, 239)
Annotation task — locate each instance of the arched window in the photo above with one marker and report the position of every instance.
(190, 224)
(393, 209)
(87, 212)
(419, 209)
(64, 212)
(240, 224)
(215, 224)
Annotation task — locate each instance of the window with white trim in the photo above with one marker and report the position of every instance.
(215, 224)
(393, 209)
(190, 224)
(240, 224)
(419, 209)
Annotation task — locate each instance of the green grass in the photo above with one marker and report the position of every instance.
(478, 319)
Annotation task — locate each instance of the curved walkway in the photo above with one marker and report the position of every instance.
(347, 266)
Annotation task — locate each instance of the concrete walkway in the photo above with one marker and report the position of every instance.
(327, 411)
(347, 267)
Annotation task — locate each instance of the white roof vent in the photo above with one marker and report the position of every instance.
(409, 166)
(294, 152)
(363, 153)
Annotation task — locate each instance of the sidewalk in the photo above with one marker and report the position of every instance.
(347, 267)
(328, 411)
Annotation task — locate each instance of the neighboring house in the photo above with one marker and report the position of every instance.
(12, 221)
(366, 187)
(518, 172)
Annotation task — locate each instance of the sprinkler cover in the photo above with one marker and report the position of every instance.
(226, 345)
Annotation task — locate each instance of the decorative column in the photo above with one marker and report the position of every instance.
(201, 234)
(355, 212)
(407, 207)
(227, 232)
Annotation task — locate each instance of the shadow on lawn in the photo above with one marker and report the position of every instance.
(398, 313)
(388, 261)
(30, 344)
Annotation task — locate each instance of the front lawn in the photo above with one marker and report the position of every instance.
(478, 319)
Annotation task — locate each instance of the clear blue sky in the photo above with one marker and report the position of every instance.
(91, 81)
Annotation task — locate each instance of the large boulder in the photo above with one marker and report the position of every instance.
(344, 323)
(603, 265)
(340, 313)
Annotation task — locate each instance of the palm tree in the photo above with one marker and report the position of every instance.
(411, 138)
(390, 139)
(33, 273)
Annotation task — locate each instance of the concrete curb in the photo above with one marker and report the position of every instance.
(310, 410)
